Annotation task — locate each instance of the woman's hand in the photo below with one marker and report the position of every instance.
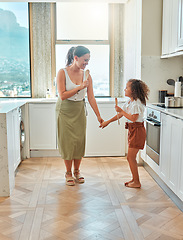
(104, 124)
(84, 84)
(118, 109)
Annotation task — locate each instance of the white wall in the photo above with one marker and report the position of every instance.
(155, 71)
(132, 39)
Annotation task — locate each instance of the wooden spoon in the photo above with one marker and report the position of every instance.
(116, 102)
(87, 73)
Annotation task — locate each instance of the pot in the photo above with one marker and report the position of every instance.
(177, 102)
(169, 102)
(173, 102)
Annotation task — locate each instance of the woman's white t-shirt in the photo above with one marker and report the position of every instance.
(134, 107)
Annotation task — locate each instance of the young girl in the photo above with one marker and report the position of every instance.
(133, 110)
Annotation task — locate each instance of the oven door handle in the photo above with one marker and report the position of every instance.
(153, 123)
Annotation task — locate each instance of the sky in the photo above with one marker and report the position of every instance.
(18, 8)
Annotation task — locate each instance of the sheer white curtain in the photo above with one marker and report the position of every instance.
(117, 48)
(41, 48)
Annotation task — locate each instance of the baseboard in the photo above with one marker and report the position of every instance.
(165, 188)
(55, 153)
(44, 153)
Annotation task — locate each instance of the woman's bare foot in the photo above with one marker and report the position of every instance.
(128, 182)
(133, 185)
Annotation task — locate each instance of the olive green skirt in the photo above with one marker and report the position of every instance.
(71, 128)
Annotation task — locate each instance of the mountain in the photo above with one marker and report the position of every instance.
(14, 39)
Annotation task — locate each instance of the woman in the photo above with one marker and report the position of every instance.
(70, 108)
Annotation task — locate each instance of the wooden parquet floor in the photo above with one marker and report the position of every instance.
(42, 207)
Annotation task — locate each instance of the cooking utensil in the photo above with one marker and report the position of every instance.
(87, 73)
(171, 82)
(181, 80)
(116, 102)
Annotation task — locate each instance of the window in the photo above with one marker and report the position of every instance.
(14, 50)
(85, 24)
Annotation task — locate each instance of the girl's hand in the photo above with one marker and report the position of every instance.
(118, 109)
(84, 84)
(100, 119)
(104, 124)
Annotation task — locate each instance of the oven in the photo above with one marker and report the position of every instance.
(153, 125)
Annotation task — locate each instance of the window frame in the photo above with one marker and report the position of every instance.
(109, 42)
(30, 56)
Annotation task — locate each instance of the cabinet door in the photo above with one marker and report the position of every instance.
(180, 26)
(109, 141)
(16, 136)
(166, 27)
(165, 147)
(174, 26)
(170, 27)
(170, 151)
(175, 147)
(143, 154)
(13, 136)
(42, 126)
(180, 173)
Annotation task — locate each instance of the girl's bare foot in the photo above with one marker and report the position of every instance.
(128, 182)
(133, 185)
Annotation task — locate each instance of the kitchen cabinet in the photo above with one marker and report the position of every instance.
(180, 26)
(170, 151)
(13, 137)
(180, 169)
(99, 142)
(143, 155)
(165, 146)
(142, 152)
(172, 29)
(109, 141)
(42, 120)
(9, 144)
(166, 27)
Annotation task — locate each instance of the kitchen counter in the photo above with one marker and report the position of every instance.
(9, 132)
(7, 104)
(174, 112)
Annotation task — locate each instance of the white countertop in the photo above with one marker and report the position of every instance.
(8, 104)
(175, 112)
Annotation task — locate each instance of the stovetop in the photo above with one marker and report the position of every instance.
(163, 105)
